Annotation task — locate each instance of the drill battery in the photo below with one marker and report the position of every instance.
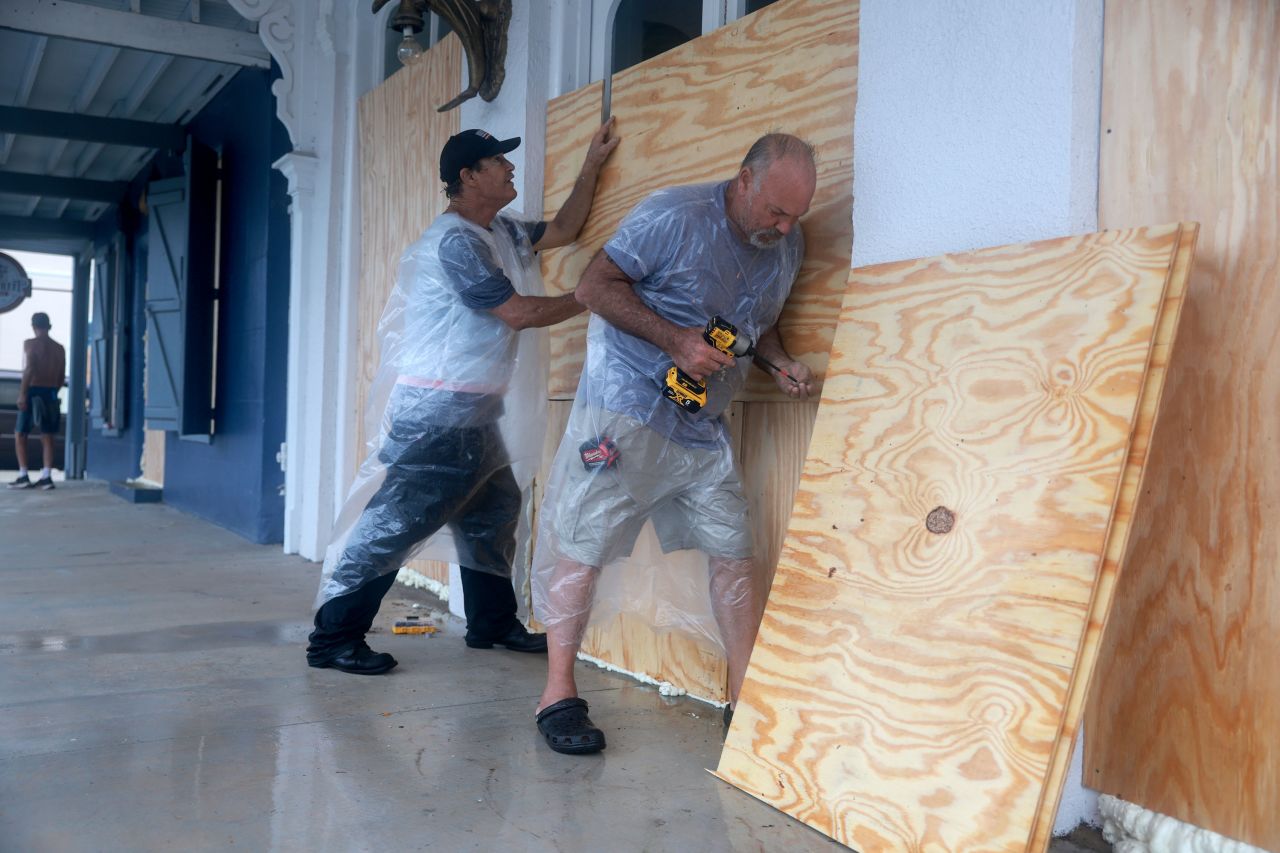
(599, 453)
(687, 392)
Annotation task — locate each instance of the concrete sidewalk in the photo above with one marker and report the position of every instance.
(155, 697)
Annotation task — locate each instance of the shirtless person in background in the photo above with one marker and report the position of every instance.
(44, 373)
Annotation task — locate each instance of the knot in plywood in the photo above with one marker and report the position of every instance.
(940, 520)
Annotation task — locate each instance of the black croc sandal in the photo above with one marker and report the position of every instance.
(568, 729)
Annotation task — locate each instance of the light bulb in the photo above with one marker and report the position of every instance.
(409, 51)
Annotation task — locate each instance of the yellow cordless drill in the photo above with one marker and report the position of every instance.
(690, 394)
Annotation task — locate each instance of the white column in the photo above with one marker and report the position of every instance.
(314, 103)
(364, 34)
(311, 400)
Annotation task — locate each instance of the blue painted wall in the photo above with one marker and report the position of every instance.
(234, 479)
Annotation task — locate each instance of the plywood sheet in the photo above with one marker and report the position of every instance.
(629, 643)
(1185, 710)
(908, 686)
(1117, 538)
(688, 116)
(775, 437)
(401, 135)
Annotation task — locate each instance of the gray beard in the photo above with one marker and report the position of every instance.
(765, 239)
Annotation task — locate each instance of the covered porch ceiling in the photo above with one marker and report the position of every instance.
(90, 90)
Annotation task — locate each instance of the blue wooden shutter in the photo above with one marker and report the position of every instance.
(99, 349)
(121, 324)
(166, 253)
(179, 304)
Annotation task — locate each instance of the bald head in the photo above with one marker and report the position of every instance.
(773, 189)
(771, 147)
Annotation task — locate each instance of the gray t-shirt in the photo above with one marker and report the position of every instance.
(472, 269)
(473, 274)
(688, 265)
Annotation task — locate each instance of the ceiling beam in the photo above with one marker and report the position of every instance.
(140, 32)
(46, 245)
(142, 86)
(110, 131)
(29, 74)
(31, 227)
(49, 186)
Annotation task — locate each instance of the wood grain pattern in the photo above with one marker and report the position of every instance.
(688, 116)
(401, 135)
(1117, 537)
(1184, 716)
(907, 688)
(775, 438)
(629, 642)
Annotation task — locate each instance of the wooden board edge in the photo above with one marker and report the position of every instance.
(1167, 325)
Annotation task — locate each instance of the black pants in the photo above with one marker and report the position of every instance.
(435, 476)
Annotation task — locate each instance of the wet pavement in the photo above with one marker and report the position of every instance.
(155, 696)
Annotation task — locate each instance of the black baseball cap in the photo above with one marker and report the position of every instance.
(40, 320)
(465, 149)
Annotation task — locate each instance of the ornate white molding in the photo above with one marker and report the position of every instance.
(1132, 829)
(324, 29)
(300, 170)
(279, 24)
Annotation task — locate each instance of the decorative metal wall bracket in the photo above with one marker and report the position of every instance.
(482, 27)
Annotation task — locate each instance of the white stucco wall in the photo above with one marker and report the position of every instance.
(521, 106)
(977, 125)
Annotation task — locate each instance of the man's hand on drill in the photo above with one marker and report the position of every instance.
(692, 354)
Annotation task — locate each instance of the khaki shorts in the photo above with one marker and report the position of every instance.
(694, 497)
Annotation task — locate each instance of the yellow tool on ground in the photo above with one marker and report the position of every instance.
(690, 394)
(413, 625)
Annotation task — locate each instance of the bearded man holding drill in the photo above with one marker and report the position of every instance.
(686, 264)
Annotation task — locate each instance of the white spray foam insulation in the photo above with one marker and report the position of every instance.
(1132, 829)
(417, 580)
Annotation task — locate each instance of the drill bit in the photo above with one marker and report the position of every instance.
(773, 366)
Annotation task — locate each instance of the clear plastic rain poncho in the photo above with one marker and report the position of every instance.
(644, 509)
(456, 412)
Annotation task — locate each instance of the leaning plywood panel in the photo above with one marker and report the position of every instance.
(688, 116)
(401, 135)
(1117, 536)
(908, 683)
(1184, 716)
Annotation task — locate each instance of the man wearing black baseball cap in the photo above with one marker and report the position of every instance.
(449, 340)
(466, 149)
